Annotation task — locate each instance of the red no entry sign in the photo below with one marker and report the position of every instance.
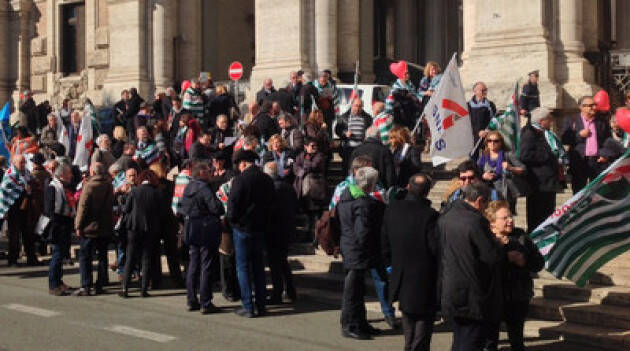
(235, 71)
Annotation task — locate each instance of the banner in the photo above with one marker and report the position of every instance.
(509, 123)
(591, 228)
(84, 143)
(448, 118)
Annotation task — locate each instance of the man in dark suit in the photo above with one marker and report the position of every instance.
(266, 90)
(410, 247)
(586, 135)
(248, 212)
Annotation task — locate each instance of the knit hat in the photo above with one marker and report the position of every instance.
(539, 114)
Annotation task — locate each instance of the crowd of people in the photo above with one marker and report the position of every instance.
(220, 193)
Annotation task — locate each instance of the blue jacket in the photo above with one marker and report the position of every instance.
(201, 210)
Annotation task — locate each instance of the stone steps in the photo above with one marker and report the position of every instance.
(588, 337)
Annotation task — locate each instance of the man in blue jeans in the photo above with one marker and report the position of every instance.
(57, 208)
(248, 211)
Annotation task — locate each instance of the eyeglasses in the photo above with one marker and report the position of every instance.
(493, 141)
(589, 105)
(466, 178)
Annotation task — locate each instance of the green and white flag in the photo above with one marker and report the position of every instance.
(509, 124)
(591, 228)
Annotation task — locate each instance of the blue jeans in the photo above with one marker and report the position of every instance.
(249, 248)
(55, 271)
(85, 261)
(381, 286)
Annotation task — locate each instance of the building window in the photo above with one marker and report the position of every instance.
(73, 38)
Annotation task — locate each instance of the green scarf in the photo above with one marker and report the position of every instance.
(555, 144)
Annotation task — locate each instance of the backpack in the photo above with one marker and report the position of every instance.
(328, 232)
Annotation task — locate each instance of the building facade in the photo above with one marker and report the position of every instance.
(95, 48)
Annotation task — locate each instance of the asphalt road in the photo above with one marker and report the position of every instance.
(31, 319)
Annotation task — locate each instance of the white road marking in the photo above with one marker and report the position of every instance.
(122, 329)
(32, 310)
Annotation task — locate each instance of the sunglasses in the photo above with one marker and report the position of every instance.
(493, 141)
(589, 105)
(466, 178)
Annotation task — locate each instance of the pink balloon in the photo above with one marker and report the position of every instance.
(602, 100)
(399, 69)
(623, 119)
(185, 85)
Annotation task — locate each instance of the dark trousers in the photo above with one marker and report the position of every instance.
(418, 331)
(281, 276)
(229, 281)
(55, 269)
(87, 247)
(353, 313)
(172, 259)
(198, 281)
(249, 249)
(346, 153)
(584, 170)
(540, 205)
(514, 314)
(139, 244)
(472, 335)
(20, 233)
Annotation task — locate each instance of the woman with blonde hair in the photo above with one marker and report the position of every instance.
(501, 168)
(523, 259)
(430, 81)
(316, 128)
(120, 138)
(407, 157)
(279, 154)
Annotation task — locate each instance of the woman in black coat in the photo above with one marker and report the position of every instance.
(523, 260)
(407, 157)
(146, 211)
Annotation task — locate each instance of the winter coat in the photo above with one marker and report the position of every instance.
(517, 281)
(263, 95)
(202, 211)
(407, 163)
(146, 209)
(480, 116)
(577, 144)
(250, 201)
(306, 164)
(381, 157)
(542, 165)
(266, 125)
(95, 209)
(410, 246)
(470, 265)
(360, 217)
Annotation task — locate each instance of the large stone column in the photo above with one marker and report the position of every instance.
(406, 30)
(129, 49)
(326, 35)
(505, 44)
(163, 11)
(348, 45)
(24, 47)
(367, 42)
(189, 56)
(280, 49)
(573, 70)
(5, 85)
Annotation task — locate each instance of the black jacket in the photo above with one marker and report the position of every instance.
(410, 246)
(470, 266)
(342, 124)
(530, 97)
(577, 144)
(360, 221)
(219, 105)
(266, 125)
(146, 209)
(542, 165)
(250, 201)
(263, 95)
(381, 157)
(285, 99)
(283, 215)
(517, 281)
(200, 152)
(408, 164)
(201, 210)
(308, 92)
(133, 107)
(480, 116)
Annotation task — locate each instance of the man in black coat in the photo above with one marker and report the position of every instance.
(265, 124)
(279, 234)
(266, 90)
(586, 137)
(201, 210)
(360, 218)
(530, 96)
(29, 109)
(381, 157)
(308, 94)
(284, 99)
(471, 280)
(133, 107)
(410, 246)
(202, 149)
(248, 212)
(542, 168)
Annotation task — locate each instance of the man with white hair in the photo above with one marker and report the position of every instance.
(266, 90)
(360, 218)
(103, 154)
(308, 94)
(382, 158)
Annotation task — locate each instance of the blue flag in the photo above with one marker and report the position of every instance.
(5, 114)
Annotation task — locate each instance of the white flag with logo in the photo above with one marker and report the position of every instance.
(84, 143)
(448, 118)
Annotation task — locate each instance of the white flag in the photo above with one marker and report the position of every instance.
(448, 118)
(62, 133)
(84, 143)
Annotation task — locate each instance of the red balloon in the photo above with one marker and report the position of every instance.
(399, 69)
(602, 100)
(623, 119)
(185, 85)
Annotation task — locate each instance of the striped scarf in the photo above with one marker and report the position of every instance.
(193, 102)
(331, 91)
(384, 122)
(555, 144)
(119, 180)
(11, 188)
(398, 85)
(224, 192)
(149, 153)
(181, 181)
(378, 193)
(427, 84)
(64, 204)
